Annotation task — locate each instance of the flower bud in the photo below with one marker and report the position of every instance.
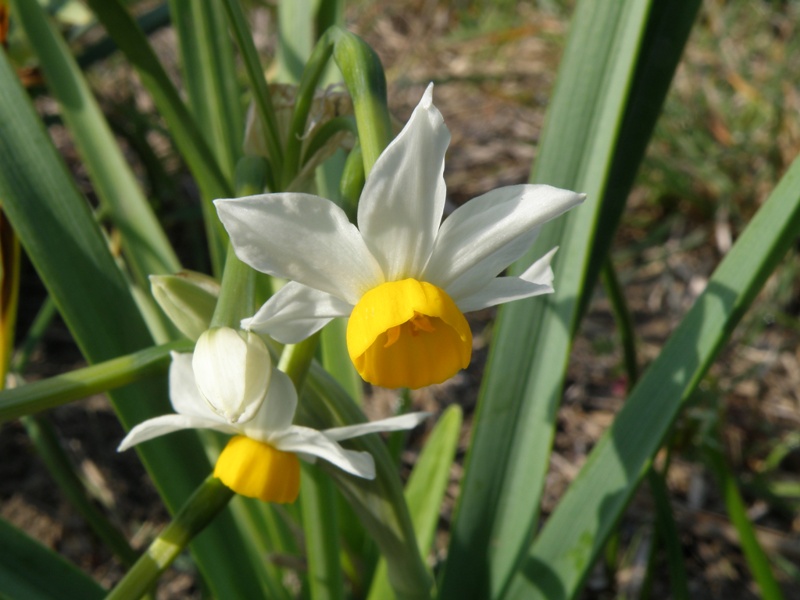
(232, 370)
(188, 298)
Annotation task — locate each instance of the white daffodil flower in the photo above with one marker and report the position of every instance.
(403, 280)
(261, 460)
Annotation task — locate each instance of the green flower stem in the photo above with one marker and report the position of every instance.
(366, 83)
(623, 318)
(312, 73)
(237, 293)
(258, 82)
(108, 375)
(352, 182)
(296, 360)
(206, 502)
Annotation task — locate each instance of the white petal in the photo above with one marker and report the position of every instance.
(153, 428)
(403, 198)
(277, 410)
(407, 421)
(232, 370)
(488, 233)
(536, 280)
(186, 399)
(295, 312)
(304, 440)
(301, 237)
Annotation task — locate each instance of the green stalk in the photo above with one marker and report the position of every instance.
(111, 374)
(366, 83)
(379, 503)
(201, 507)
(258, 82)
(237, 292)
(321, 530)
(314, 69)
(296, 360)
(623, 318)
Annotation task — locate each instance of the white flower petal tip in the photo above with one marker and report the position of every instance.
(427, 97)
(399, 423)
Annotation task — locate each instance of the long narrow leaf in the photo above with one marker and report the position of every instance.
(378, 503)
(23, 562)
(210, 77)
(560, 557)
(190, 142)
(425, 490)
(65, 245)
(147, 248)
(509, 455)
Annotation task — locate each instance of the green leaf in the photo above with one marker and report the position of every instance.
(209, 73)
(756, 557)
(508, 460)
(145, 244)
(378, 503)
(65, 245)
(108, 375)
(321, 529)
(561, 556)
(24, 564)
(188, 138)
(425, 489)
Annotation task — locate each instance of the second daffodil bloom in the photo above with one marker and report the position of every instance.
(404, 280)
(229, 384)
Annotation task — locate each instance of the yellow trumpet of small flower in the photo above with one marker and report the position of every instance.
(403, 280)
(230, 384)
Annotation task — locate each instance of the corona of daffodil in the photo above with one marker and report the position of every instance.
(229, 384)
(404, 280)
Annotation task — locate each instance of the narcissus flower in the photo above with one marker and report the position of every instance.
(244, 395)
(403, 280)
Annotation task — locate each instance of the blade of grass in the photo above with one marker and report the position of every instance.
(584, 132)
(563, 553)
(23, 562)
(425, 489)
(756, 557)
(296, 38)
(65, 245)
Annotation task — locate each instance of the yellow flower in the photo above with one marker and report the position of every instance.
(403, 280)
